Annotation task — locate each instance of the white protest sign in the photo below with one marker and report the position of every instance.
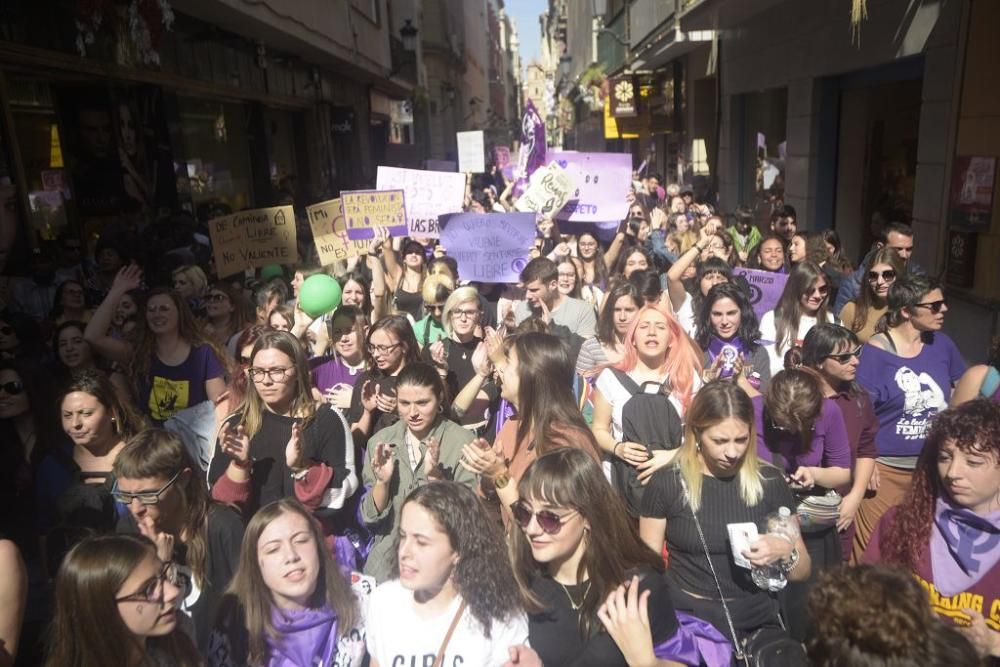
(548, 191)
(471, 154)
(428, 194)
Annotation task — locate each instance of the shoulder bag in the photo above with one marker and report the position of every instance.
(766, 646)
(439, 658)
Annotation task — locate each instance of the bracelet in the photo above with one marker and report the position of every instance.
(789, 564)
(299, 474)
(614, 450)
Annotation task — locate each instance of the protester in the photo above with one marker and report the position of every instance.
(573, 320)
(20, 337)
(335, 376)
(952, 505)
(908, 369)
(728, 334)
(718, 479)
(159, 483)
(116, 604)
(13, 600)
(608, 345)
(895, 235)
(389, 346)
(405, 281)
(592, 257)
(769, 255)
(630, 260)
(190, 282)
(69, 304)
(288, 602)
(803, 304)
(73, 355)
(423, 445)
(708, 272)
(227, 314)
(453, 593)
(430, 328)
(862, 315)
(744, 233)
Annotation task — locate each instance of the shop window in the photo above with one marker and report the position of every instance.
(216, 167)
(765, 122)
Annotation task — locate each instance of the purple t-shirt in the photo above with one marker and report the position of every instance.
(170, 389)
(907, 393)
(328, 372)
(829, 449)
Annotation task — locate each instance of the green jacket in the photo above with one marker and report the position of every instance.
(384, 524)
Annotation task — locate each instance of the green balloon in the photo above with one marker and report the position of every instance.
(272, 271)
(319, 295)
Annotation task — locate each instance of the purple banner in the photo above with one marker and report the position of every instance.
(765, 288)
(366, 210)
(489, 247)
(531, 154)
(602, 183)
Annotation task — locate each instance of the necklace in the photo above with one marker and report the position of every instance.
(572, 602)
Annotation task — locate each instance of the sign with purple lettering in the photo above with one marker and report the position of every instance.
(765, 288)
(602, 181)
(531, 154)
(428, 194)
(364, 210)
(489, 247)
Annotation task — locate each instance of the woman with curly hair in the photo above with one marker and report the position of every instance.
(946, 529)
(728, 333)
(453, 591)
(172, 365)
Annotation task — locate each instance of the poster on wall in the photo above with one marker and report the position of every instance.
(972, 181)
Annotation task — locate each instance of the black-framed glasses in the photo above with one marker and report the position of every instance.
(12, 388)
(279, 374)
(933, 306)
(887, 276)
(550, 522)
(144, 497)
(152, 590)
(382, 349)
(845, 357)
(465, 314)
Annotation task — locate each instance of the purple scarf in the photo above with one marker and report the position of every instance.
(964, 547)
(308, 638)
(504, 412)
(696, 642)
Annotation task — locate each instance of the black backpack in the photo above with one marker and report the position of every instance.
(649, 418)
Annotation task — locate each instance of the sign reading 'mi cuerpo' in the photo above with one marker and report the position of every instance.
(602, 180)
(253, 239)
(489, 247)
(330, 233)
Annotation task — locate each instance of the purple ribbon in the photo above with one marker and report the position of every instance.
(696, 642)
(964, 547)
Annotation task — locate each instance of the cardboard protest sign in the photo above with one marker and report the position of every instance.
(252, 239)
(489, 247)
(364, 210)
(765, 289)
(329, 231)
(548, 191)
(602, 180)
(428, 194)
(471, 155)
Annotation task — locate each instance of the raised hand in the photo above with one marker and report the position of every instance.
(385, 402)
(164, 541)
(339, 396)
(431, 457)
(480, 458)
(383, 462)
(293, 450)
(369, 395)
(128, 278)
(625, 616)
(439, 355)
(235, 443)
(481, 361)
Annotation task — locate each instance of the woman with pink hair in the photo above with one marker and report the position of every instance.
(661, 366)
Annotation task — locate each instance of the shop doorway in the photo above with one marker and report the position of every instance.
(876, 159)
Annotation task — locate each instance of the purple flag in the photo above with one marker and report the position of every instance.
(531, 154)
(765, 289)
(602, 182)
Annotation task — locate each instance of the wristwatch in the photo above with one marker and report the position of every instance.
(789, 564)
(502, 480)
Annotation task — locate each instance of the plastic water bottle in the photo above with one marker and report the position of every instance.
(772, 577)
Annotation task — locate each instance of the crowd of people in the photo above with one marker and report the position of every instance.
(615, 461)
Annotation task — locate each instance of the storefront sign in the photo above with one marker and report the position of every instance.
(342, 120)
(624, 100)
(471, 154)
(765, 289)
(601, 180)
(329, 230)
(253, 239)
(961, 270)
(531, 154)
(428, 194)
(364, 210)
(611, 130)
(489, 247)
(972, 191)
(548, 191)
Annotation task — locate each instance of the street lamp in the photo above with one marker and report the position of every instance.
(565, 62)
(409, 36)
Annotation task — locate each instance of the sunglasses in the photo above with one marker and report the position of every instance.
(886, 276)
(12, 388)
(821, 290)
(845, 357)
(434, 308)
(934, 306)
(550, 522)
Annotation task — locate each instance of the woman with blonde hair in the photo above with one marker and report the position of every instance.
(716, 480)
(435, 291)
(190, 282)
(288, 604)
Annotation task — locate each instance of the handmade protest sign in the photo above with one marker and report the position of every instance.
(489, 247)
(765, 288)
(602, 181)
(428, 194)
(329, 231)
(364, 210)
(531, 154)
(548, 191)
(252, 239)
(471, 152)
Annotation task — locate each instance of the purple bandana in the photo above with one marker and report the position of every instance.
(964, 547)
(307, 638)
(696, 642)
